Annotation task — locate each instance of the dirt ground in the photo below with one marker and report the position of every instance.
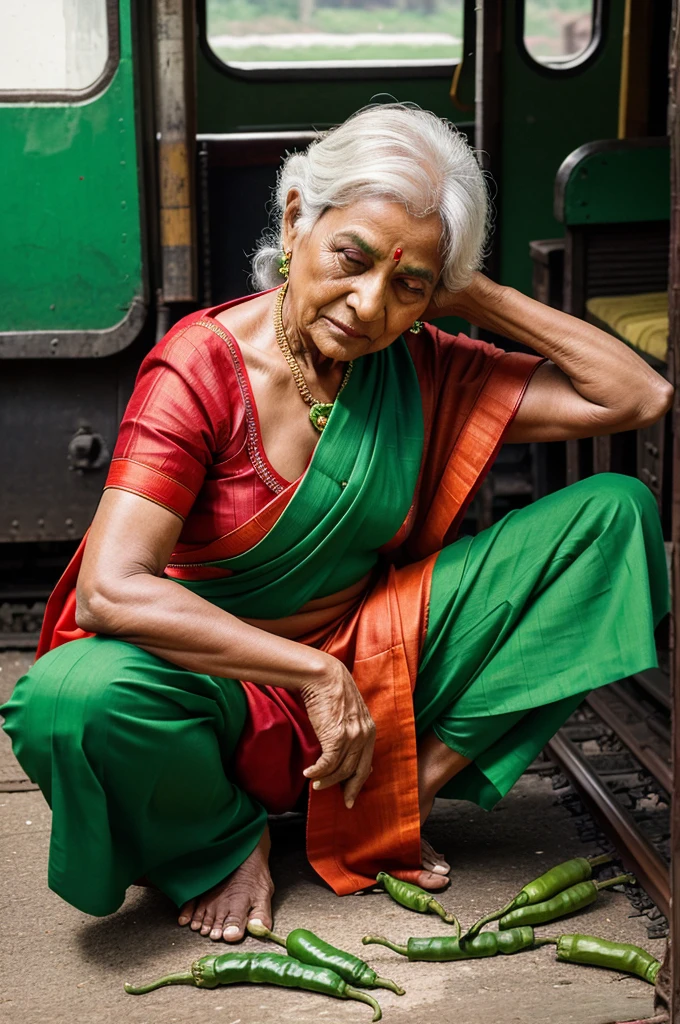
(58, 966)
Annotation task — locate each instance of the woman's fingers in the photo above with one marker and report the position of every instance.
(345, 730)
(326, 764)
(345, 770)
(354, 784)
(352, 766)
(353, 771)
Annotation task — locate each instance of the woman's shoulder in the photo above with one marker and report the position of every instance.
(196, 346)
(463, 344)
(212, 336)
(438, 354)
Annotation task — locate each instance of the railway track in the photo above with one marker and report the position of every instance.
(615, 752)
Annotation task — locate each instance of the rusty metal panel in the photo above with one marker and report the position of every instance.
(59, 423)
(175, 121)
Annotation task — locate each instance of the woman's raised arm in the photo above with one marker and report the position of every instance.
(122, 592)
(594, 384)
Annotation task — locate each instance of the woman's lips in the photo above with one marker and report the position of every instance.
(349, 331)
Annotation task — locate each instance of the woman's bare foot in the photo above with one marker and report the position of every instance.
(437, 764)
(223, 911)
(436, 868)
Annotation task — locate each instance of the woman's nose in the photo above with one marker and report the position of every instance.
(368, 299)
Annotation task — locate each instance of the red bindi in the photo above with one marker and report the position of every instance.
(398, 253)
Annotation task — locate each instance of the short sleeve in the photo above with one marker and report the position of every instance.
(455, 372)
(468, 360)
(176, 419)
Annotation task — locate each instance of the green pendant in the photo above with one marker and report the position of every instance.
(319, 414)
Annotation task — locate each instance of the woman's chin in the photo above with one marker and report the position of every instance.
(333, 343)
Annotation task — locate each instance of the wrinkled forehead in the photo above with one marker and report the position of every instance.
(381, 226)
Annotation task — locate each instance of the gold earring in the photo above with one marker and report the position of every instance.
(416, 327)
(284, 263)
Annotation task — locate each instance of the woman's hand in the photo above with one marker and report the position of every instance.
(344, 728)
(468, 303)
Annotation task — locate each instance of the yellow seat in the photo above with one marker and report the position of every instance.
(639, 320)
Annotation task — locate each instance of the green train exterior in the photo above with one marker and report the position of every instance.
(129, 201)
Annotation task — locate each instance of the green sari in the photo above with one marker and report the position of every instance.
(500, 635)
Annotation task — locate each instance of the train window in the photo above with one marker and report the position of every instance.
(558, 31)
(257, 34)
(69, 54)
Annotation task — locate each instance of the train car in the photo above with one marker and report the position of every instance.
(141, 140)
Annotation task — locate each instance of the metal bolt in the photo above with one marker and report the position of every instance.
(69, 523)
(15, 524)
(41, 523)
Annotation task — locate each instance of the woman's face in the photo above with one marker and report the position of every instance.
(347, 293)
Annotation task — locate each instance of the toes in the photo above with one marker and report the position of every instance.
(429, 880)
(233, 930)
(436, 868)
(186, 912)
(220, 912)
(198, 916)
(433, 861)
(208, 920)
(262, 913)
(230, 925)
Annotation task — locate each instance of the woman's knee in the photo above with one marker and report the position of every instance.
(70, 687)
(617, 491)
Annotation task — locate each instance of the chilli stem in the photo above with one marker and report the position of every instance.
(487, 919)
(445, 916)
(604, 858)
(363, 997)
(547, 941)
(619, 880)
(391, 985)
(260, 931)
(170, 979)
(380, 940)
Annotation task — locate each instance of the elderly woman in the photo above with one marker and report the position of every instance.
(270, 593)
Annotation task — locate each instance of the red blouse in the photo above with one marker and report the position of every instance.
(190, 437)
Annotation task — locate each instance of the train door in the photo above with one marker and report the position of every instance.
(550, 84)
(73, 271)
(268, 75)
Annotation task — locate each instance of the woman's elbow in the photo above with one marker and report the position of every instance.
(97, 610)
(658, 402)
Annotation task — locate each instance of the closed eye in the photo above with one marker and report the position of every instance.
(353, 257)
(415, 290)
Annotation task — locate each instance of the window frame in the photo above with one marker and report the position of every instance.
(565, 67)
(317, 71)
(23, 97)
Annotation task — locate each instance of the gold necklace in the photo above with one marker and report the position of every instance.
(319, 411)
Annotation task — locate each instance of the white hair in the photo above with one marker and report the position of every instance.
(387, 151)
